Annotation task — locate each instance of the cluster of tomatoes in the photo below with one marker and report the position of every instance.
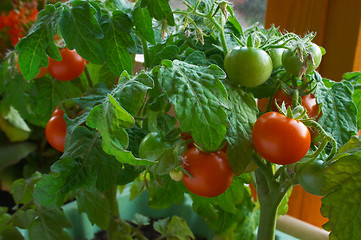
(70, 67)
(276, 137)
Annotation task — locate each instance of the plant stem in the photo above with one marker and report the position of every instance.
(88, 77)
(113, 227)
(270, 194)
(145, 52)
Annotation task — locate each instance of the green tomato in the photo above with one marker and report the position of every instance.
(292, 63)
(153, 146)
(311, 177)
(248, 66)
(176, 175)
(276, 56)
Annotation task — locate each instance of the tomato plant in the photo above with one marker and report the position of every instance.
(55, 130)
(311, 177)
(280, 139)
(293, 64)
(209, 173)
(130, 134)
(70, 67)
(248, 66)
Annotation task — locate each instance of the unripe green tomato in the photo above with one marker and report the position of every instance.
(292, 63)
(176, 175)
(311, 177)
(248, 66)
(276, 56)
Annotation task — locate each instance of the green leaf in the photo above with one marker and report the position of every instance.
(355, 78)
(338, 111)
(159, 9)
(23, 219)
(352, 147)
(175, 228)
(343, 199)
(22, 190)
(226, 211)
(112, 128)
(242, 114)
(116, 39)
(10, 232)
(36, 100)
(141, 220)
(130, 92)
(95, 205)
(197, 58)
(169, 52)
(13, 153)
(143, 23)
(199, 98)
(49, 225)
(39, 42)
(81, 30)
(163, 196)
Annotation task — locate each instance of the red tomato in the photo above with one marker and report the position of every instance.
(308, 102)
(211, 173)
(70, 67)
(280, 139)
(55, 130)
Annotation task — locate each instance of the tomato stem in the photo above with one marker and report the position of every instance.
(270, 194)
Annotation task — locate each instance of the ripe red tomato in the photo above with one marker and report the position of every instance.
(70, 67)
(211, 173)
(308, 102)
(280, 139)
(55, 130)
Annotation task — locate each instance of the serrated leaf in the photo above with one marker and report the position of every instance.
(39, 42)
(140, 220)
(159, 9)
(242, 114)
(143, 23)
(199, 98)
(49, 225)
(175, 228)
(95, 205)
(111, 125)
(342, 202)
(338, 111)
(81, 30)
(116, 39)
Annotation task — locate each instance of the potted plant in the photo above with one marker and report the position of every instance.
(188, 124)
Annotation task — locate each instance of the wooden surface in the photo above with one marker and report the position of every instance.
(337, 24)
